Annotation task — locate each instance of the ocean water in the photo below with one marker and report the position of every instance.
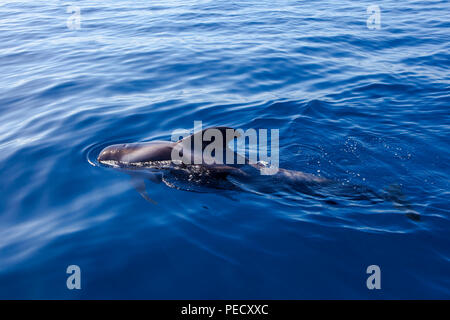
(358, 105)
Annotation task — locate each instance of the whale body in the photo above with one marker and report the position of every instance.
(154, 161)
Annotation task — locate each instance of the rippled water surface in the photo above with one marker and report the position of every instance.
(358, 106)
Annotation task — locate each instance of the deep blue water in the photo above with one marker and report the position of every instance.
(359, 106)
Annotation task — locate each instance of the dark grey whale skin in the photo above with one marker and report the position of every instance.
(137, 152)
(140, 161)
(154, 151)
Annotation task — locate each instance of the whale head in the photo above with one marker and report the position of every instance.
(129, 153)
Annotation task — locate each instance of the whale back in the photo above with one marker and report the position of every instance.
(189, 149)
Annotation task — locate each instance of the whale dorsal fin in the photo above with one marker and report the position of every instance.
(228, 134)
(189, 143)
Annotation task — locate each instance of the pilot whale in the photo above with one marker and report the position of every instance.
(159, 156)
(178, 162)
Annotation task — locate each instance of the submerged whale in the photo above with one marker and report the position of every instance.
(194, 171)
